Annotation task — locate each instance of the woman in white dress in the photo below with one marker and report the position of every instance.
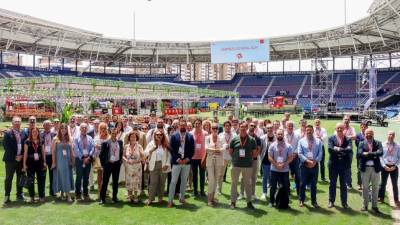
(101, 137)
(214, 161)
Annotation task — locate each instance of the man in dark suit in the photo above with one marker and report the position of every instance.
(369, 151)
(182, 149)
(360, 137)
(339, 148)
(13, 157)
(46, 138)
(110, 157)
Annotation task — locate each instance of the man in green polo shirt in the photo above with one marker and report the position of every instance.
(242, 150)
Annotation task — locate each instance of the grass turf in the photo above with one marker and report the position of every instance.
(55, 211)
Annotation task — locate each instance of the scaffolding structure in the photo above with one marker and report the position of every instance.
(365, 87)
(321, 85)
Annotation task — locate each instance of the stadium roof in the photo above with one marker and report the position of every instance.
(377, 33)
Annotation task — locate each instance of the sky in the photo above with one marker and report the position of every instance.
(194, 20)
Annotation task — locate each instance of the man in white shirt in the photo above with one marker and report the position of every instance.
(320, 133)
(226, 137)
(293, 139)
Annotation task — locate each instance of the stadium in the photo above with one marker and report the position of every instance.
(51, 71)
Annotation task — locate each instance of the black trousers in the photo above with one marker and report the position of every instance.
(322, 164)
(11, 169)
(394, 175)
(38, 171)
(49, 162)
(281, 178)
(111, 169)
(196, 169)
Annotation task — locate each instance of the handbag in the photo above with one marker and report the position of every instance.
(25, 181)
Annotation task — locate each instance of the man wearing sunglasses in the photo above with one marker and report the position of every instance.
(31, 125)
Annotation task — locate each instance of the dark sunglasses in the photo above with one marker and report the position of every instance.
(215, 128)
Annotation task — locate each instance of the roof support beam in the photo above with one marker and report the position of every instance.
(43, 37)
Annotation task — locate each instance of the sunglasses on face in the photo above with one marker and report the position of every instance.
(215, 128)
(159, 135)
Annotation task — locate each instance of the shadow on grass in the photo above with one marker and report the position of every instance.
(290, 211)
(188, 207)
(318, 210)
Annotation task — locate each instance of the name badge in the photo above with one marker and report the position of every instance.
(36, 156)
(64, 152)
(48, 149)
(242, 153)
(309, 155)
(280, 159)
(85, 152)
(198, 146)
(113, 158)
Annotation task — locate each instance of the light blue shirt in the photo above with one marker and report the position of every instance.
(390, 159)
(78, 146)
(303, 150)
(273, 151)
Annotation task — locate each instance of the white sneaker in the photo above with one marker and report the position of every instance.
(240, 197)
(263, 196)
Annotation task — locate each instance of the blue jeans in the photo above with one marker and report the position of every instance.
(178, 170)
(266, 168)
(308, 177)
(82, 175)
(334, 173)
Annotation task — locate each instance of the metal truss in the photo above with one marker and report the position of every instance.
(377, 33)
(321, 85)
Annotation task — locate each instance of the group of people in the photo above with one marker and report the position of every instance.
(149, 153)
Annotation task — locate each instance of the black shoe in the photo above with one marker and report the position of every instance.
(21, 198)
(102, 202)
(315, 205)
(376, 210)
(203, 194)
(195, 194)
(364, 209)
(323, 180)
(345, 206)
(330, 205)
(250, 205)
(115, 200)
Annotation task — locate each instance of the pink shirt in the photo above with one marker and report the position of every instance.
(199, 144)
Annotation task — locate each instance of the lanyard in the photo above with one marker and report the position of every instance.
(390, 149)
(244, 143)
(47, 139)
(17, 136)
(35, 146)
(228, 140)
(280, 147)
(289, 139)
(310, 145)
(114, 148)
